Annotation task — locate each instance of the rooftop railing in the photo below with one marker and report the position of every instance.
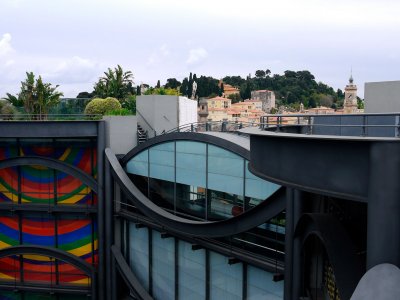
(49, 117)
(216, 126)
(364, 125)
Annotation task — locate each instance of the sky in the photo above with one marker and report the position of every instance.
(71, 43)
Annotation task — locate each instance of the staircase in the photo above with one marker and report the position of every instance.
(141, 135)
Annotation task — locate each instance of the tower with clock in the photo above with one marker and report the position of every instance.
(350, 97)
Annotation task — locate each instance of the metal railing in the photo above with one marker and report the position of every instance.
(215, 126)
(374, 125)
(49, 117)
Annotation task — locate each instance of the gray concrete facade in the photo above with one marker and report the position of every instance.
(382, 97)
(121, 133)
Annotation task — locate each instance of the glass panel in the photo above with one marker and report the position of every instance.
(9, 231)
(75, 235)
(225, 280)
(39, 269)
(258, 189)
(8, 148)
(10, 268)
(192, 272)
(191, 199)
(71, 190)
(191, 163)
(139, 253)
(162, 193)
(9, 185)
(260, 285)
(139, 164)
(163, 268)
(78, 152)
(69, 275)
(37, 184)
(38, 229)
(162, 162)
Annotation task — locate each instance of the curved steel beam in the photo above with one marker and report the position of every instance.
(53, 164)
(245, 221)
(66, 257)
(339, 248)
(128, 276)
(189, 136)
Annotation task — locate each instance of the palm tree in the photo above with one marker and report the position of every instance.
(115, 83)
(14, 100)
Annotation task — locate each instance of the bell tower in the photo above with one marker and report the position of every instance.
(350, 97)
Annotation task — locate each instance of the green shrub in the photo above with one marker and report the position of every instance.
(100, 106)
(119, 112)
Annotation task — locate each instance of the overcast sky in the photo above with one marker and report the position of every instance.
(71, 42)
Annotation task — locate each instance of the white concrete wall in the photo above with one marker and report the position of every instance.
(163, 113)
(382, 97)
(187, 111)
(121, 134)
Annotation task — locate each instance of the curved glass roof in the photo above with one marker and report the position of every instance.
(198, 178)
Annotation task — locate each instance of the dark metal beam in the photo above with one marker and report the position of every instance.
(49, 129)
(189, 136)
(53, 164)
(130, 279)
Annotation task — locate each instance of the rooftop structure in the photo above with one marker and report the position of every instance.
(273, 211)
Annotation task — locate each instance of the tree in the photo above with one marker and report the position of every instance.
(115, 83)
(85, 95)
(158, 84)
(14, 100)
(172, 83)
(37, 96)
(260, 74)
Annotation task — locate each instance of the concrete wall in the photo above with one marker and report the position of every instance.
(121, 133)
(382, 97)
(157, 113)
(187, 111)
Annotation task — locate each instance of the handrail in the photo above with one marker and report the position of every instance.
(310, 121)
(144, 119)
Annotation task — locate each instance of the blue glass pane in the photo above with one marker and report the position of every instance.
(139, 253)
(221, 161)
(163, 267)
(257, 187)
(191, 163)
(225, 280)
(260, 285)
(191, 147)
(139, 164)
(162, 161)
(225, 183)
(192, 272)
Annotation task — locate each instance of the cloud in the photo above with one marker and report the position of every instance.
(74, 70)
(159, 55)
(5, 45)
(196, 55)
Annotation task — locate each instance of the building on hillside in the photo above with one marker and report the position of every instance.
(221, 109)
(219, 102)
(350, 98)
(228, 89)
(266, 97)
